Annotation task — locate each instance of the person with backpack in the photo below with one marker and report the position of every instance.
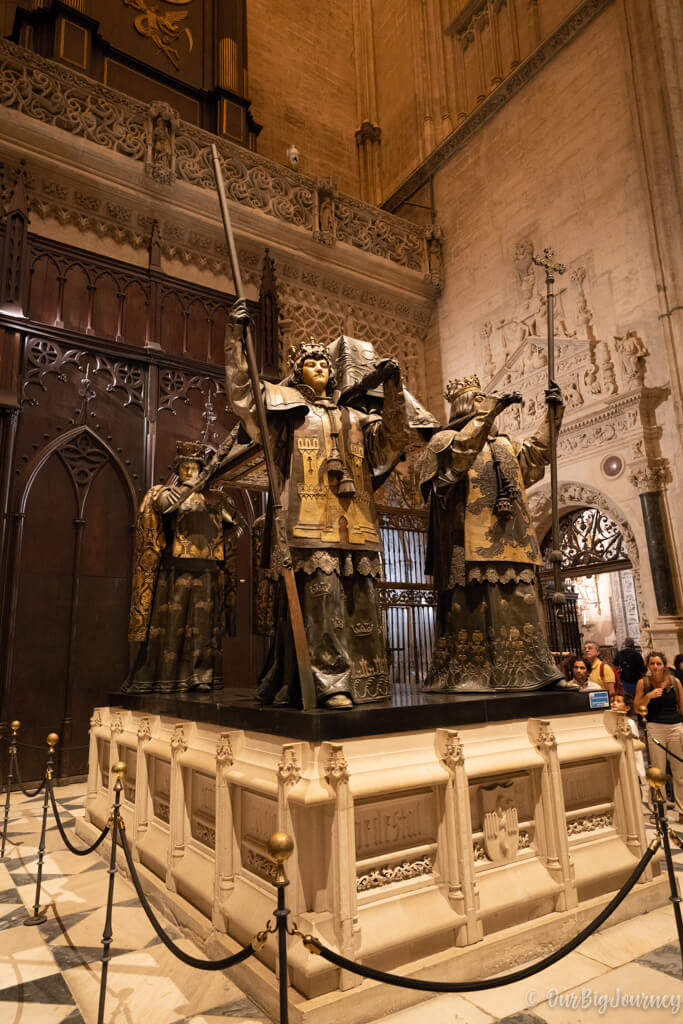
(631, 665)
(600, 671)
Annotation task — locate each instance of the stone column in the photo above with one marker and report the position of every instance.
(141, 785)
(224, 880)
(116, 728)
(288, 776)
(463, 894)
(650, 481)
(176, 812)
(343, 873)
(554, 818)
(627, 793)
(93, 761)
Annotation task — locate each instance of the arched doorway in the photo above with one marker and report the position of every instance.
(596, 567)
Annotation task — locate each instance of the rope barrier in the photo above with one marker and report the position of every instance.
(30, 794)
(191, 961)
(73, 849)
(313, 945)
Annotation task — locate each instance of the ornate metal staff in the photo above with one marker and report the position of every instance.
(551, 269)
(300, 642)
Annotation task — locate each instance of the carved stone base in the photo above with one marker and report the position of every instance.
(440, 853)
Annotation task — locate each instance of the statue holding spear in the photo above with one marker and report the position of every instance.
(323, 542)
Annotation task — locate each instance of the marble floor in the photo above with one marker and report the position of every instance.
(50, 973)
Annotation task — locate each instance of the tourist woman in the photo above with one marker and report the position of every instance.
(660, 691)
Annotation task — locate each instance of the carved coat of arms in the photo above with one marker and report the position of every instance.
(501, 824)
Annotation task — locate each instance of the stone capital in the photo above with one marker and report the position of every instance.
(653, 476)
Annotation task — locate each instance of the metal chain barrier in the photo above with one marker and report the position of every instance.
(314, 945)
(67, 842)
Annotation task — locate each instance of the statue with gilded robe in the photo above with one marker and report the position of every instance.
(482, 548)
(331, 458)
(183, 592)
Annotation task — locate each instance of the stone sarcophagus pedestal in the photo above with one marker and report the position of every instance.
(445, 852)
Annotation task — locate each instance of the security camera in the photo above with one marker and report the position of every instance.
(293, 156)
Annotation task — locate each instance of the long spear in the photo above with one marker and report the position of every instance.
(558, 598)
(303, 658)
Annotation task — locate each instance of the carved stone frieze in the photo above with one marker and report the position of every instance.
(173, 149)
(589, 823)
(378, 878)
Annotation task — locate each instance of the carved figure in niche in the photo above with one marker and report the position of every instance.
(326, 232)
(482, 549)
(485, 332)
(632, 352)
(161, 126)
(183, 593)
(573, 396)
(331, 457)
(433, 238)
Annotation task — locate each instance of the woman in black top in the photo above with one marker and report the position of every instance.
(661, 692)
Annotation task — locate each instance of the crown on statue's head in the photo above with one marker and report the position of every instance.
(191, 451)
(306, 349)
(459, 385)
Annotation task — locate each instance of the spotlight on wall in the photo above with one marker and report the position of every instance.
(293, 155)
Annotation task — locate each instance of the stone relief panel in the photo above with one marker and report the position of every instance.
(591, 371)
(203, 809)
(586, 785)
(502, 819)
(258, 823)
(160, 788)
(386, 832)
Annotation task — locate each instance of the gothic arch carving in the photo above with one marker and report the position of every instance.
(69, 445)
(573, 495)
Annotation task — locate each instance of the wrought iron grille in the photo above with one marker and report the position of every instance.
(408, 601)
(588, 539)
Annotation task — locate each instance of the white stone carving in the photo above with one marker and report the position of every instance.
(390, 874)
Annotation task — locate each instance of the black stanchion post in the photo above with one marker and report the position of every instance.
(280, 847)
(37, 917)
(118, 770)
(10, 776)
(657, 780)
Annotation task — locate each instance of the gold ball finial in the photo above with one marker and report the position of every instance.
(119, 769)
(656, 778)
(15, 725)
(280, 847)
(52, 739)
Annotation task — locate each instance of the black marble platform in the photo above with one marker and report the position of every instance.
(407, 712)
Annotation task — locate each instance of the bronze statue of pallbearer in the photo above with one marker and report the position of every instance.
(183, 591)
(330, 457)
(482, 549)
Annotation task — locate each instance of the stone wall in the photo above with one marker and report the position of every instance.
(302, 85)
(562, 164)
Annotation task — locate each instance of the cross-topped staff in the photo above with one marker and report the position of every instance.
(552, 401)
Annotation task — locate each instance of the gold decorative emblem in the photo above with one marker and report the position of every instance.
(363, 628)
(162, 27)
(459, 385)
(501, 825)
